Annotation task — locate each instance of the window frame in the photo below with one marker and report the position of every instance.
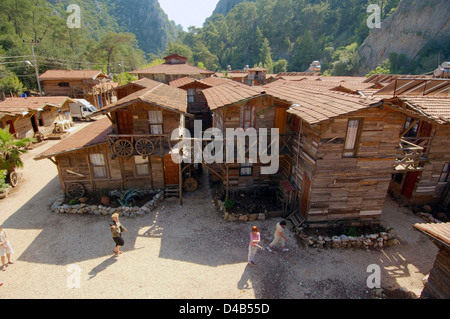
(93, 166)
(145, 163)
(445, 172)
(355, 149)
(159, 122)
(246, 166)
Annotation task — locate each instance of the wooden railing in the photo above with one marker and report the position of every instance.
(413, 152)
(127, 145)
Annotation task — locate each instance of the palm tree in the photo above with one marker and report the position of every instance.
(11, 149)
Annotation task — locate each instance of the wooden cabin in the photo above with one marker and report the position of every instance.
(129, 148)
(174, 67)
(257, 76)
(345, 147)
(234, 106)
(91, 85)
(124, 90)
(422, 175)
(31, 116)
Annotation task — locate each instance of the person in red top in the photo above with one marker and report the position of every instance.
(255, 239)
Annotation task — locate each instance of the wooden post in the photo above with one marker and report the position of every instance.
(228, 182)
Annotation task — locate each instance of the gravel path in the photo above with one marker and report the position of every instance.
(185, 252)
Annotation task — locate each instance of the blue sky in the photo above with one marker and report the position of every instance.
(188, 12)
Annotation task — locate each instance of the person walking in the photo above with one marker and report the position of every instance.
(279, 237)
(116, 230)
(5, 249)
(255, 239)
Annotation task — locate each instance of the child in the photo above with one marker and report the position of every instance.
(255, 239)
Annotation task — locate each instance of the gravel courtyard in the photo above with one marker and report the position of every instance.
(186, 252)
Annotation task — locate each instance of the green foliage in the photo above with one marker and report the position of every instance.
(229, 204)
(11, 85)
(384, 68)
(11, 149)
(3, 183)
(73, 201)
(124, 78)
(129, 197)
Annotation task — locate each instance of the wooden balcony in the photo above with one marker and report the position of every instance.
(413, 153)
(127, 145)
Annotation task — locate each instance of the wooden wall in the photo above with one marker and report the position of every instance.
(121, 173)
(438, 283)
(171, 120)
(428, 188)
(352, 189)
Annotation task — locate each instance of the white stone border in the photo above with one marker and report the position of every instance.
(132, 212)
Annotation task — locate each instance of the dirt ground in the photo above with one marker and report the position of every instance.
(186, 252)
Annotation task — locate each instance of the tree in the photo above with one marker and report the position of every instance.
(11, 85)
(11, 149)
(305, 52)
(280, 66)
(266, 56)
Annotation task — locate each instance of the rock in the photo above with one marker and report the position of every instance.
(344, 238)
(261, 216)
(253, 217)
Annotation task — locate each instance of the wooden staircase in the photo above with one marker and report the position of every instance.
(296, 218)
(172, 191)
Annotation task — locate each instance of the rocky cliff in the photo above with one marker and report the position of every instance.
(406, 31)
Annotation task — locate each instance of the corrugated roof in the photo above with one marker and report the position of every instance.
(416, 87)
(435, 108)
(71, 75)
(439, 231)
(93, 134)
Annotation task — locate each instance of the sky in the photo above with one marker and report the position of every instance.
(188, 12)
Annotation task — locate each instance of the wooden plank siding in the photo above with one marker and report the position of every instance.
(349, 189)
(121, 172)
(428, 188)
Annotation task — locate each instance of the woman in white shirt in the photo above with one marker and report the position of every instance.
(5, 249)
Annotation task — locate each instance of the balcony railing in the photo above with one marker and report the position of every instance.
(413, 153)
(127, 145)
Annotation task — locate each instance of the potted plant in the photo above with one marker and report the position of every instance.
(104, 198)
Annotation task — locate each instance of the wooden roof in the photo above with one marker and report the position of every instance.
(208, 81)
(71, 75)
(433, 108)
(229, 93)
(20, 105)
(156, 93)
(438, 231)
(142, 83)
(94, 134)
(315, 106)
(417, 87)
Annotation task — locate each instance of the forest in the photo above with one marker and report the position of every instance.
(124, 35)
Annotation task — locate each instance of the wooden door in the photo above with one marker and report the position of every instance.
(124, 120)
(12, 129)
(410, 183)
(280, 119)
(171, 173)
(304, 197)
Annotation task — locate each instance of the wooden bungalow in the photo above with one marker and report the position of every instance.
(124, 90)
(437, 285)
(174, 67)
(91, 85)
(235, 106)
(35, 116)
(129, 148)
(345, 147)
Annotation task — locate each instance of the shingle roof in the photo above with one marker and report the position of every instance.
(155, 93)
(417, 87)
(315, 106)
(434, 108)
(208, 81)
(18, 105)
(229, 93)
(93, 134)
(71, 75)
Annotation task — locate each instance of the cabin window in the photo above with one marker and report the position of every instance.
(351, 139)
(191, 95)
(413, 131)
(445, 175)
(98, 165)
(247, 117)
(246, 169)
(156, 122)
(141, 165)
(63, 84)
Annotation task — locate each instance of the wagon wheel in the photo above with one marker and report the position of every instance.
(13, 179)
(190, 184)
(123, 147)
(75, 190)
(144, 147)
